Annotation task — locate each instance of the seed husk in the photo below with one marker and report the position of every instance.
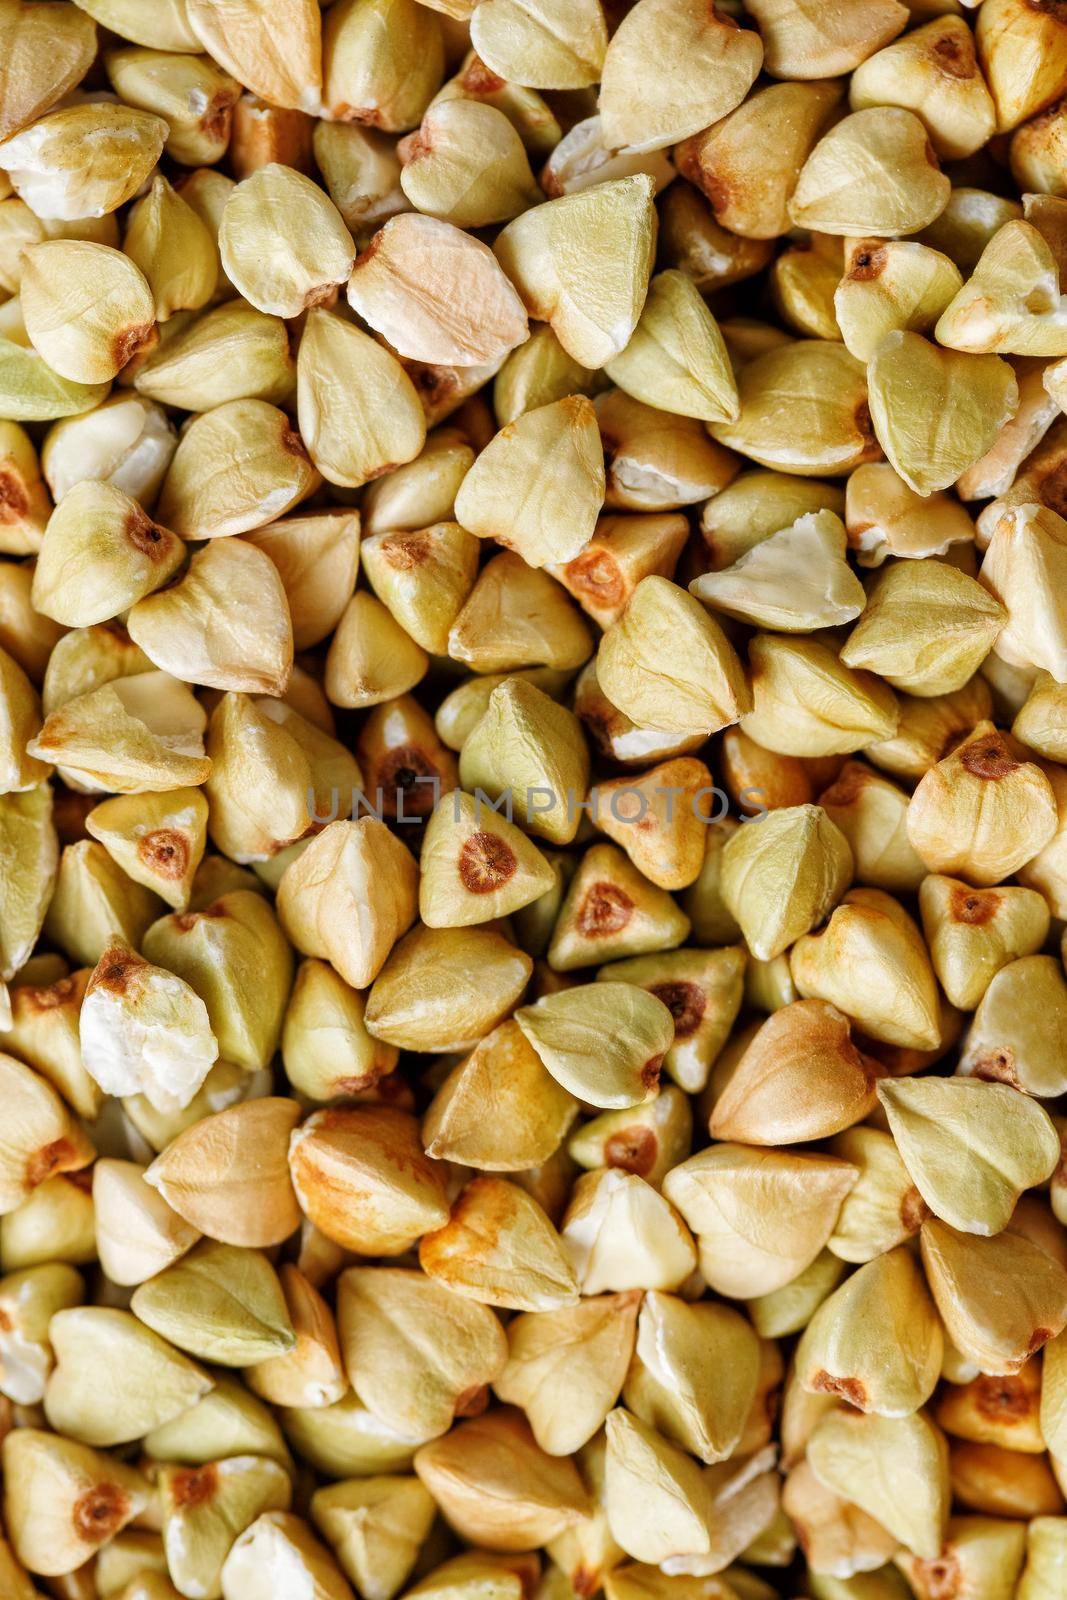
(1010, 1147)
(228, 1177)
(49, 169)
(760, 1217)
(876, 1341)
(349, 865)
(221, 1303)
(896, 999)
(538, 486)
(449, 1348)
(64, 1500)
(278, 1541)
(566, 1368)
(535, 1109)
(620, 1234)
(678, 1382)
(498, 1247)
(139, 1381)
(375, 1527)
(137, 1232)
(1000, 1298)
(411, 278)
(498, 1488)
(851, 1454)
(582, 263)
(801, 43)
(360, 1175)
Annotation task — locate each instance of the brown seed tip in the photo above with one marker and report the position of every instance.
(606, 909)
(100, 1512)
(44, 1162)
(130, 341)
(973, 906)
(14, 501)
(868, 264)
(651, 1070)
(115, 969)
(485, 863)
(195, 1486)
(686, 1003)
(596, 575)
(940, 1579)
(1002, 1398)
(850, 1389)
(988, 758)
(633, 1149)
(165, 851)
